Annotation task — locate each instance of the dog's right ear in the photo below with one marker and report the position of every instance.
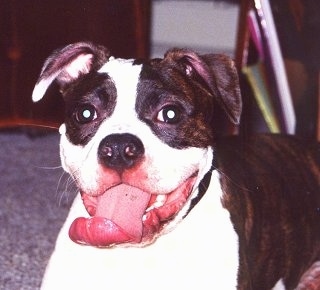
(67, 64)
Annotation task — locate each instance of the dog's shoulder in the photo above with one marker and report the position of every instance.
(284, 146)
(269, 156)
(271, 189)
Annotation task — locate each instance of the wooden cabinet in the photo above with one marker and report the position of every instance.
(31, 29)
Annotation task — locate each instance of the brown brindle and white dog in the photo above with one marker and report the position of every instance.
(166, 201)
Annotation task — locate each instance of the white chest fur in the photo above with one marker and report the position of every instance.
(201, 253)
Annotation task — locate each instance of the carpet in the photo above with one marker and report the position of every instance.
(35, 196)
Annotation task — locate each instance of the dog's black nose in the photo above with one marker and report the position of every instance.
(120, 151)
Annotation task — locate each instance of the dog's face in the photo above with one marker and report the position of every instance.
(138, 135)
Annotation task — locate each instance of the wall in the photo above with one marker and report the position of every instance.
(205, 26)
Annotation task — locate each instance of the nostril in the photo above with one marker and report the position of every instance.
(106, 151)
(120, 151)
(131, 150)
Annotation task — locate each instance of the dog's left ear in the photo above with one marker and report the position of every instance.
(68, 63)
(219, 74)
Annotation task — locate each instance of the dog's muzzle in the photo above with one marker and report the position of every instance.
(125, 213)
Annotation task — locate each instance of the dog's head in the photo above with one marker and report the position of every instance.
(138, 135)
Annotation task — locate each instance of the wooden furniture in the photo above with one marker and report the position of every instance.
(31, 29)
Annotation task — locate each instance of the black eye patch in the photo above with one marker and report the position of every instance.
(88, 102)
(175, 109)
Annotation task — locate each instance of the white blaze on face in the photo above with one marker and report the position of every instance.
(163, 167)
(126, 77)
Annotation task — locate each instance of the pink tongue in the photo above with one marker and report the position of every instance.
(118, 218)
(125, 206)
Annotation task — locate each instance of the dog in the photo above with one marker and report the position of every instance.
(169, 197)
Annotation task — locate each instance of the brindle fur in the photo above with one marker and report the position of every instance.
(271, 188)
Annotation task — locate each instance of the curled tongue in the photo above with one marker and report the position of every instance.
(117, 219)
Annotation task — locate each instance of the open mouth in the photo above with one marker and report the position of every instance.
(126, 214)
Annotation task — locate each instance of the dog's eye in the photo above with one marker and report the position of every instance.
(169, 114)
(85, 114)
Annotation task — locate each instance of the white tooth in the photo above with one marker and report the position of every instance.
(160, 201)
